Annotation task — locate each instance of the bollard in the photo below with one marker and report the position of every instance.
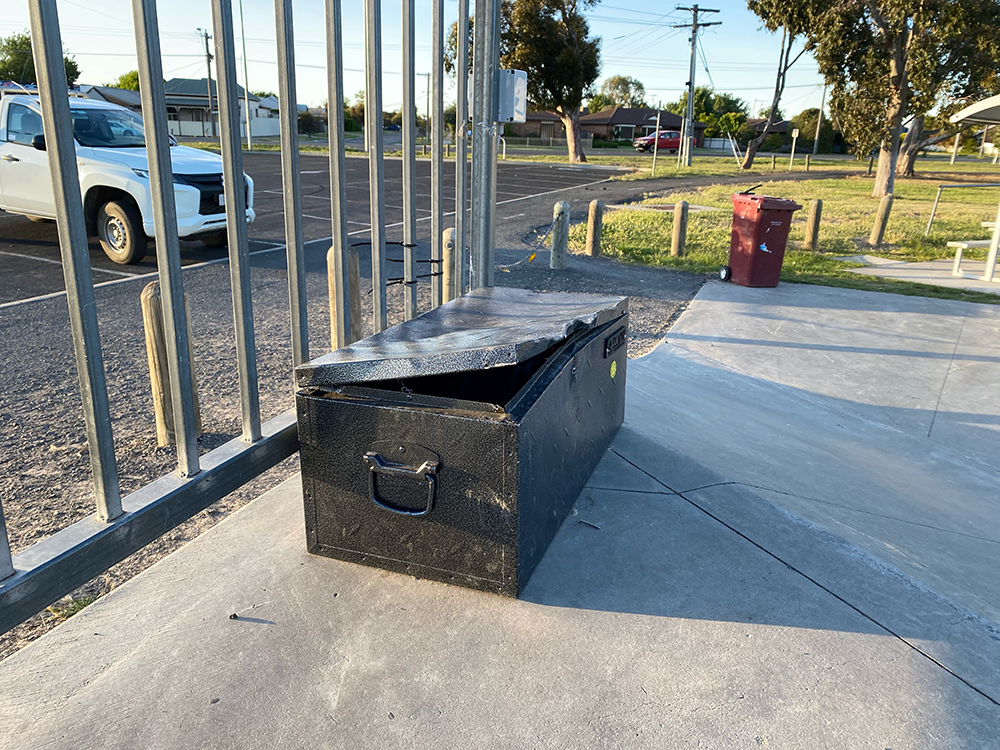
(881, 220)
(812, 226)
(774, 161)
(354, 294)
(560, 236)
(159, 374)
(807, 162)
(448, 270)
(679, 238)
(595, 222)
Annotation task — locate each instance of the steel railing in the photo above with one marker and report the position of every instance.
(46, 571)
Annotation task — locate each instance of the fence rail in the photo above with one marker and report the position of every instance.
(42, 573)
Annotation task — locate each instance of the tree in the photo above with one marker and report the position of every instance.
(889, 59)
(307, 123)
(128, 81)
(805, 121)
(793, 17)
(264, 94)
(550, 39)
(18, 64)
(599, 102)
(624, 91)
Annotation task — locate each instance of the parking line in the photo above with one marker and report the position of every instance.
(59, 263)
(225, 259)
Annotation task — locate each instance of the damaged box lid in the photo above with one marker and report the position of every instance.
(489, 327)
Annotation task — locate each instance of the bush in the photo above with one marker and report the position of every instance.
(609, 144)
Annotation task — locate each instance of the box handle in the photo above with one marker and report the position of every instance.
(426, 471)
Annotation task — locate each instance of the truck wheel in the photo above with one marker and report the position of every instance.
(215, 239)
(119, 227)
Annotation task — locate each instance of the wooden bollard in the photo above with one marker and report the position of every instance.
(812, 226)
(807, 162)
(595, 222)
(448, 270)
(881, 220)
(774, 161)
(560, 236)
(354, 293)
(159, 373)
(679, 238)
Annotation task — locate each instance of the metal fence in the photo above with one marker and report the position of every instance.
(41, 574)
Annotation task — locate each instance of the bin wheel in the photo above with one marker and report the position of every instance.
(725, 273)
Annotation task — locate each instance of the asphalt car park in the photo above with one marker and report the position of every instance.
(30, 264)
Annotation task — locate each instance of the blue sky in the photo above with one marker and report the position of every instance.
(637, 40)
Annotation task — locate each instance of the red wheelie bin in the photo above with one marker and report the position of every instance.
(760, 233)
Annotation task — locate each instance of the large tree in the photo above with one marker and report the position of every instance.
(888, 59)
(18, 64)
(550, 40)
(624, 91)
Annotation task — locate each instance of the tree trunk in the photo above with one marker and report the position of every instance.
(888, 155)
(911, 147)
(779, 86)
(571, 122)
(752, 147)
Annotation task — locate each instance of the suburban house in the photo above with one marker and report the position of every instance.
(757, 125)
(628, 123)
(188, 110)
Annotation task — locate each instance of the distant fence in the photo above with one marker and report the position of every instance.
(259, 127)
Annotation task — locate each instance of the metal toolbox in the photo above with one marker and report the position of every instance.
(452, 446)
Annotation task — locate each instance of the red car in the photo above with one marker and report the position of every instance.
(667, 140)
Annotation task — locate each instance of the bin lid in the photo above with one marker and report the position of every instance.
(767, 202)
(490, 327)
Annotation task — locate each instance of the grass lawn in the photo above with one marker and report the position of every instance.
(644, 236)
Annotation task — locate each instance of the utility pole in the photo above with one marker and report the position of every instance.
(208, 65)
(688, 131)
(819, 121)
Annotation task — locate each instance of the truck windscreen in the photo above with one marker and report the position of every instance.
(107, 128)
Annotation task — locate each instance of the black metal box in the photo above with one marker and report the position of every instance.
(452, 446)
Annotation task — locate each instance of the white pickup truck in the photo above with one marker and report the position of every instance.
(114, 176)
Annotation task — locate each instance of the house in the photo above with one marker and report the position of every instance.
(188, 110)
(757, 125)
(628, 123)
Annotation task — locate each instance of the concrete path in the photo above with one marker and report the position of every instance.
(936, 273)
(772, 554)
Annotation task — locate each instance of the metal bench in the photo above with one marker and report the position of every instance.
(959, 248)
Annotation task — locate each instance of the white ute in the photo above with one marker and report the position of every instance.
(114, 177)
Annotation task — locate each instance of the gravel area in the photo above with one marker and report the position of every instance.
(43, 452)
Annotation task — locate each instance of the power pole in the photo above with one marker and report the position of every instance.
(208, 65)
(819, 120)
(688, 131)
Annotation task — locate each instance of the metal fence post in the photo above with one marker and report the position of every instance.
(410, 159)
(376, 183)
(236, 221)
(461, 140)
(288, 115)
(485, 63)
(437, 147)
(339, 281)
(47, 48)
(6, 562)
(185, 422)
